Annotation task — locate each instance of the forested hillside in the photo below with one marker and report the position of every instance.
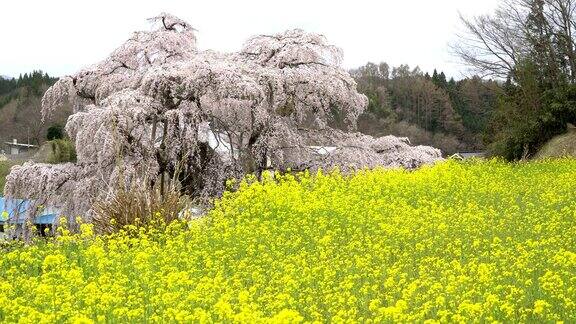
(428, 109)
(20, 116)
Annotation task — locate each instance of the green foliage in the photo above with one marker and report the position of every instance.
(4, 171)
(20, 110)
(55, 132)
(32, 83)
(456, 242)
(5, 99)
(7, 85)
(439, 79)
(373, 82)
(5, 167)
(530, 114)
(62, 151)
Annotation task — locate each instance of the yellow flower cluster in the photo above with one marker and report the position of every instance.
(459, 241)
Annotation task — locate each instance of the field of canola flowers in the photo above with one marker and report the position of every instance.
(459, 241)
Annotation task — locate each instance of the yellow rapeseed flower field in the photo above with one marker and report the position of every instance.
(458, 241)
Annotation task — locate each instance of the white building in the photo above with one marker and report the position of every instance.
(16, 148)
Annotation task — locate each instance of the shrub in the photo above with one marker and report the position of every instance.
(55, 132)
(62, 151)
(5, 167)
(529, 115)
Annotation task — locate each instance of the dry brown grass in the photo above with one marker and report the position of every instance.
(560, 146)
(140, 206)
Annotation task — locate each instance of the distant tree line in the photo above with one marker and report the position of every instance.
(20, 109)
(33, 83)
(429, 109)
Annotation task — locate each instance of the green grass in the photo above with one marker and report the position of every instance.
(4, 171)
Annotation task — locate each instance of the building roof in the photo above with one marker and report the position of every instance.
(20, 144)
(467, 155)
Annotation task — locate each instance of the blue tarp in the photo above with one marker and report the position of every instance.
(47, 219)
(13, 211)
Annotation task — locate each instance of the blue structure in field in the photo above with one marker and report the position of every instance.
(13, 211)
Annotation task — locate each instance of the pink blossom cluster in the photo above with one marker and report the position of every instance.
(159, 106)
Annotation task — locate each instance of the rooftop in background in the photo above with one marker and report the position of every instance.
(16, 148)
(15, 143)
(468, 155)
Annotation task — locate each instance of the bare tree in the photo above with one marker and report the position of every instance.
(560, 14)
(158, 108)
(518, 30)
(494, 44)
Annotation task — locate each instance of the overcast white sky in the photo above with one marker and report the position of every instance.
(60, 37)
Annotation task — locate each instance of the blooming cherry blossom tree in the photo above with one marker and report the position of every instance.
(158, 108)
